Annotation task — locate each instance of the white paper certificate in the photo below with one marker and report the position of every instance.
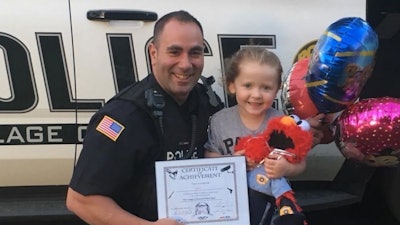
(203, 191)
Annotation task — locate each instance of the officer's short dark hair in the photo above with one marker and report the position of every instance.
(181, 15)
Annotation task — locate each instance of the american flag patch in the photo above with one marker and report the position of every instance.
(109, 127)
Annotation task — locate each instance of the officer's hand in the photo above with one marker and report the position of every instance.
(167, 221)
(316, 128)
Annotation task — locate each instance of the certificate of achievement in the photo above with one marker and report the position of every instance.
(203, 191)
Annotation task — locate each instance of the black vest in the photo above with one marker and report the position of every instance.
(201, 109)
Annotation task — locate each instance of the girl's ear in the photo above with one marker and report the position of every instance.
(231, 88)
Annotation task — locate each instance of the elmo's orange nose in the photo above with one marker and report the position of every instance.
(288, 121)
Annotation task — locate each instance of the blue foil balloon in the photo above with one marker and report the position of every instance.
(341, 63)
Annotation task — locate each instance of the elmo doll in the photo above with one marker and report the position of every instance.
(289, 137)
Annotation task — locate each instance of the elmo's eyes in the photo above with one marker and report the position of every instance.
(303, 124)
(295, 117)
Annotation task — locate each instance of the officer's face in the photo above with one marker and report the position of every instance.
(177, 58)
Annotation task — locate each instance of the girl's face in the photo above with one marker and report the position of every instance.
(255, 88)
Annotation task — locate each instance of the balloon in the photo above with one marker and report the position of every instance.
(369, 131)
(296, 100)
(341, 63)
(294, 95)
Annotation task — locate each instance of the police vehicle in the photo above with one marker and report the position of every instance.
(61, 60)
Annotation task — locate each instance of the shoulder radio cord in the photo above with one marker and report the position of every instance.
(155, 101)
(193, 141)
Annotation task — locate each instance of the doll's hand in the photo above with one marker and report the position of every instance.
(250, 164)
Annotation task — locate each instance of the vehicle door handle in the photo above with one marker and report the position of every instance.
(108, 14)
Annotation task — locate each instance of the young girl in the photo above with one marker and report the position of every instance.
(253, 76)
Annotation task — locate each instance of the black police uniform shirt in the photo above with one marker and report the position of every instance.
(122, 143)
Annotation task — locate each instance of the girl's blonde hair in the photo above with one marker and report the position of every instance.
(253, 54)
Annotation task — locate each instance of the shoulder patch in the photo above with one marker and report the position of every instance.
(110, 128)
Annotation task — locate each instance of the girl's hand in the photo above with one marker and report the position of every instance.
(250, 164)
(276, 166)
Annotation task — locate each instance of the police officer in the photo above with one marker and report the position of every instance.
(162, 117)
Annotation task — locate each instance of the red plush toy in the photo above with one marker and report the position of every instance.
(289, 137)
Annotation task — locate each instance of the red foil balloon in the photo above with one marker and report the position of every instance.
(294, 95)
(296, 100)
(369, 131)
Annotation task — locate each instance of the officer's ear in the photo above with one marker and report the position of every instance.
(153, 53)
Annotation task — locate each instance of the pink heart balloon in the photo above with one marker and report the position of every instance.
(369, 131)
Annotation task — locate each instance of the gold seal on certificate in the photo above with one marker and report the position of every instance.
(203, 191)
